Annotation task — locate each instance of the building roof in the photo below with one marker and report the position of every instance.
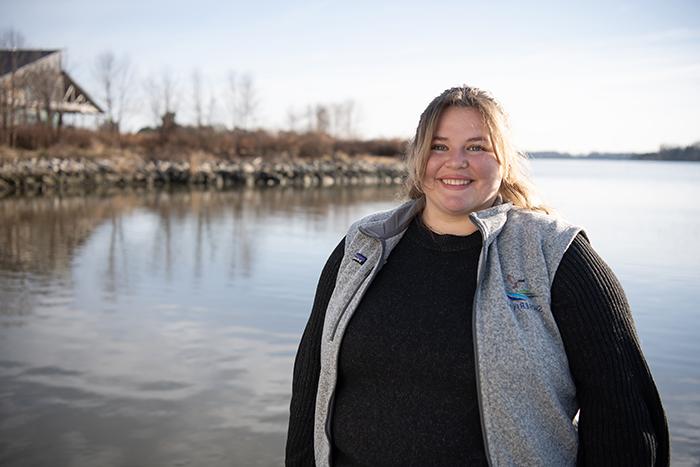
(75, 99)
(18, 58)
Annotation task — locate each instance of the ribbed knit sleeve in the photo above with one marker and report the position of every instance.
(307, 367)
(621, 420)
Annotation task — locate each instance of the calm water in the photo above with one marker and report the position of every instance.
(160, 329)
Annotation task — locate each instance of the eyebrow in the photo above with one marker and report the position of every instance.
(470, 140)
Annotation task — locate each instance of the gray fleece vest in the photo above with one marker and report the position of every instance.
(527, 398)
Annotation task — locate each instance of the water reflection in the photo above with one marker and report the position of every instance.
(56, 227)
(158, 329)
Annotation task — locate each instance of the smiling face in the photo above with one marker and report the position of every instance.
(462, 174)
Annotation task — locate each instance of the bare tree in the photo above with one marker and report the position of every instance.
(44, 85)
(343, 119)
(152, 90)
(114, 77)
(336, 110)
(104, 70)
(211, 111)
(63, 65)
(292, 119)
(10, 39)
(232, 98)
(161, 94)
(169, 89)
(124, 89)
(248, 102)
(337, 118)
(309, 118)
(322, 118)
(349, 117)
(203, 100)
(197, 99)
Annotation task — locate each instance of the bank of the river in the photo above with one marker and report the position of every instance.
(37, 175)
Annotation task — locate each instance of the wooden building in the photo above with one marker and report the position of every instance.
(35, 88)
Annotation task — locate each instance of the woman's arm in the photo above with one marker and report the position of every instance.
(621, 420)
(307, 366)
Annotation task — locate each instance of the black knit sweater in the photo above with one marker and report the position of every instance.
(406, 391)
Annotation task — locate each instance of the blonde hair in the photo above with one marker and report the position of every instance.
(515, 185)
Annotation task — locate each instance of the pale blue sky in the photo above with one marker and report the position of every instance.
(574, 76)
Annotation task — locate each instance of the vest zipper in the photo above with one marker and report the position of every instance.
(331, 401)
(482, 260)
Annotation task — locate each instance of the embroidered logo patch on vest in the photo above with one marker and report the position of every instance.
(519, 295)
(359, 258)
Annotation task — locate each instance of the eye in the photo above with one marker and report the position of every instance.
(438, 147)
(475, 148)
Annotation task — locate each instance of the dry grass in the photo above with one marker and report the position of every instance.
(195, 145)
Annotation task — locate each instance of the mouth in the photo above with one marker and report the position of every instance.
(455, 181)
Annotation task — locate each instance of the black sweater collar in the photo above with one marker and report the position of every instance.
(419, 233)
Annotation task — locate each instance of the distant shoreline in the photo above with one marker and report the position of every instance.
(686, 154)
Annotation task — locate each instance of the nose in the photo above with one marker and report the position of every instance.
(458, 160)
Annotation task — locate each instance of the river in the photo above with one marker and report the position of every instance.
(160, 328)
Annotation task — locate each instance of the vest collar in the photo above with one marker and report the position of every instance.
(490, 221)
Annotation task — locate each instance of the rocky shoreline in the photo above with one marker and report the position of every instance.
(37, 176)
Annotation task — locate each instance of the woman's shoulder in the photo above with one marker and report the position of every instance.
(385, 223)
(536, 231)
(375, 217)
(535, 221)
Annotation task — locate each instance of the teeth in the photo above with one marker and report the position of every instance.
(452, 181)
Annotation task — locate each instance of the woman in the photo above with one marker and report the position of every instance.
(484, 330)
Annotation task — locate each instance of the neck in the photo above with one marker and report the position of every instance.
(445, 226)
